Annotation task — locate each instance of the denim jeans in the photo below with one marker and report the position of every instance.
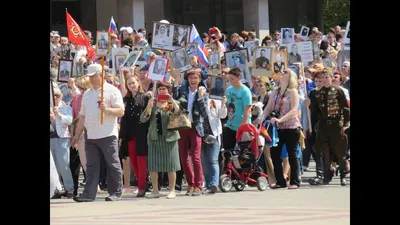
(209, 159)
(59, 148)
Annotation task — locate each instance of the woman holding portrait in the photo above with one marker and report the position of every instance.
(163, 152)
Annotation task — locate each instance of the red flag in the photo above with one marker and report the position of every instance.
(76, 35)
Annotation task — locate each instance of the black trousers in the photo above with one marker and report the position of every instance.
(75, 166)
(310, 151)
(103, 173)
(290, 137)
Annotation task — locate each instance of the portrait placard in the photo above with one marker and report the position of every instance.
(65, 93)
(102, 43)
(239, 59)
(316, 51)
(158, 69)
(287, 36)
(261, 62)
(180, 60)
(132, 58)
(65, 69)
(347, 34)
(249, 45)
(329, 62)
(141, 61)
(218, 87)
(214, 67)
(304, 32)
(78, 71)
(279, 61)
(191, 48)
(118, 61)
(170, 37)
(120, 52)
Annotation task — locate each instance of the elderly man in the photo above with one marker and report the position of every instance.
(102, 138)
(60, 119)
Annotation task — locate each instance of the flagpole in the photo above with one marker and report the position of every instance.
(102, 89)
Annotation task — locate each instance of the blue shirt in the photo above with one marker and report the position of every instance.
(237, 99)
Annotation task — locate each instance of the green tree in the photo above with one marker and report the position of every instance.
(336, 12)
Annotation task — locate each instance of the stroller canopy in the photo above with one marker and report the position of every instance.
(253, 133)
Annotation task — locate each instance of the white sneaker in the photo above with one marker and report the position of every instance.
(171, 195)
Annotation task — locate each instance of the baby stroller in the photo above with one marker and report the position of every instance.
(241, 164)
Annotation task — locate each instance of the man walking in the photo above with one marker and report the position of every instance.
(102, 139)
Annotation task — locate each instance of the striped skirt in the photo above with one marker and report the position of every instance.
(163, 156)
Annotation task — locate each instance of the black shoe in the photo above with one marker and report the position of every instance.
(178, 188)
(68, 194)
(57, 195)
(343, 181)
(141, 194)
(82, 199)
(112, 198)
(315, 181)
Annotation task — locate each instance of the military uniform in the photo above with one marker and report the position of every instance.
(333, 113)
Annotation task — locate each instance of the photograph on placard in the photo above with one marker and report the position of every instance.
(344, 55)
(218, 86)
(304, 32)
(279, 61)
(347, 33)
(103, 43)
(119, 61)
(65, 69)
(143, 49)
(66, 96)
(191, 48)
(316, 51)
(262, 58)
(132, 58)
(294, 53)
(249, 45)
(181, 36)
(120, 52)
(180, 60)
(158, 69)
(214, 63)
(238, 59)
(287, 36)
(170, 36)
(346, 46)
(78, 69)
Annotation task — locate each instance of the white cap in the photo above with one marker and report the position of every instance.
(92, 69)
(122, 29)
(129, 29)
(164, 21)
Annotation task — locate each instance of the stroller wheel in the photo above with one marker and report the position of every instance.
(262, 183)
(239, 186)
(225, 183)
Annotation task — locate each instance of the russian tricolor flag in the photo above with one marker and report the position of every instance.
(201, 49)
(113, 28)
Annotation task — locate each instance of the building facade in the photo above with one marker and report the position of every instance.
(263, 16)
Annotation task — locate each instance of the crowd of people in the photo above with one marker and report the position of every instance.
(118, 134)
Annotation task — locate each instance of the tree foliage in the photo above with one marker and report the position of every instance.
(336, 12)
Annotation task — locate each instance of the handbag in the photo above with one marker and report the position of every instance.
(179, 121)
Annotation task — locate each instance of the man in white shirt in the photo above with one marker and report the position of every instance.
(102, 139)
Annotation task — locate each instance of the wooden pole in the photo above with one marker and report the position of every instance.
(102, 89)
